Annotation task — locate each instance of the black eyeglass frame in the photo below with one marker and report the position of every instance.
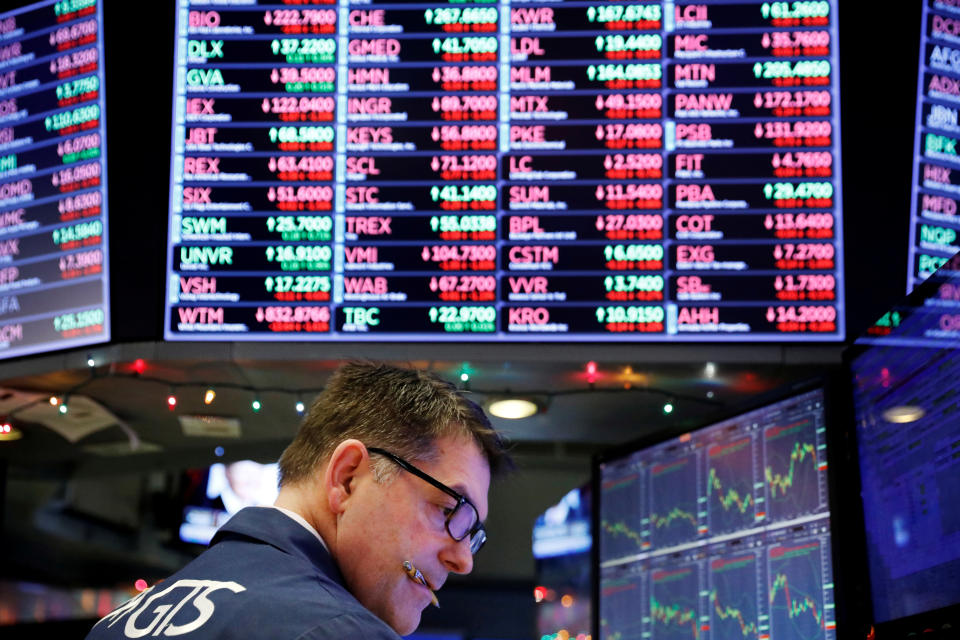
(477, 534)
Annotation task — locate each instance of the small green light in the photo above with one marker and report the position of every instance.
(63, 409)
(668, 407)
(256, 405)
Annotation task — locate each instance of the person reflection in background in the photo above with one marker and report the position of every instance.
(383, 494)
(244, 483)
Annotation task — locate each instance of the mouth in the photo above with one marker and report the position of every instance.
(416, 576)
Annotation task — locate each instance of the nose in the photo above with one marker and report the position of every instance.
(456, 556)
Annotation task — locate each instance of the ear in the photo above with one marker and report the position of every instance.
(348, 463)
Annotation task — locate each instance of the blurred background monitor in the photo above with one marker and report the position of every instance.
(54, 285)
(906, 378)
(561, 548)
(215, 494)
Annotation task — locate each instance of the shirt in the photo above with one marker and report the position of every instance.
(264, 576)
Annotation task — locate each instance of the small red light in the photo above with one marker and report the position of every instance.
(171, 401)
(139, 365)
(140, 584)
(591, 372)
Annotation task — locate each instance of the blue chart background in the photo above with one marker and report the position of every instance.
(735, 471)
(621, 601)
(673, 489)
(804, 580)
(734, 587)
(622, 502)
(669, 592)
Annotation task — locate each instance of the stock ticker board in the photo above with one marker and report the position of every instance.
(934, 220)
(54, 291)
(721, 534)
(505, 171)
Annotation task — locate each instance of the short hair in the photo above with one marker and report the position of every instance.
(401, 410)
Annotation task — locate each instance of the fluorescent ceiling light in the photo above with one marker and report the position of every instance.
(513, 408)
(904, 414)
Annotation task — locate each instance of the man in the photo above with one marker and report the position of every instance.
(383, 492)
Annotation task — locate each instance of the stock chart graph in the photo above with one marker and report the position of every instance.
(621, 517)
(674, 604)
(796, 592)
(734, 613)
(673, 518)
(732, 506)
(622, 599)
(793, 470)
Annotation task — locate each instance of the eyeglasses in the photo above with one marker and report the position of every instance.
(462, 520)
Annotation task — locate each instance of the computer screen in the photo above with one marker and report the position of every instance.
(215, 494)
(723, 532)
(934, 222)
(906, 381)
(561, 549)
(54, 289)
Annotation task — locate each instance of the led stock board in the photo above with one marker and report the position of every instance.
(505, 171)
(54, 291)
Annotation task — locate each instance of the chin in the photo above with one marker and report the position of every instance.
(405, 624)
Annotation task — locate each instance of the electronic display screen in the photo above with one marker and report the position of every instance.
(906, 382)
(217, 493)
(561, 549)
(54, 291)
(508, 171)
(934, 220)
(721, 533)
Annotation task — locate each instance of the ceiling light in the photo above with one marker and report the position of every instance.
(904, 414)
(513, 408)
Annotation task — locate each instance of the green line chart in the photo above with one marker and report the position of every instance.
(796, 592)
(793, 470)
(673, 516)
(733, 599)
(621, 516)
(673, 605)
(732, 506)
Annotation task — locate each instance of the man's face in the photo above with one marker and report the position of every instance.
(404, 519)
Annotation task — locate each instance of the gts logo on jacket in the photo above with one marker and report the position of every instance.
(153, 613)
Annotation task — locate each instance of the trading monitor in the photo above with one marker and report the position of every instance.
(723, 532)
(906, 378)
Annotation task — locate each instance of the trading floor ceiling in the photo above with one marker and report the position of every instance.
(129, 427)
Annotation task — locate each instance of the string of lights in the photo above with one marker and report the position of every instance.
(208, 391)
